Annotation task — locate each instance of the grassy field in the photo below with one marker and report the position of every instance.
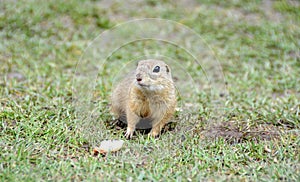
(256, 137)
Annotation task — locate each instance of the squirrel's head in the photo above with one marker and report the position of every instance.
(153, 75)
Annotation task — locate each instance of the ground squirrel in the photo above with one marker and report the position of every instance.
(146, 95)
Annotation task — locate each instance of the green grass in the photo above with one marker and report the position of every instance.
(256, 138)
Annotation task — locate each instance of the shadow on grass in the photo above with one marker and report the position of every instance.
(118, 125)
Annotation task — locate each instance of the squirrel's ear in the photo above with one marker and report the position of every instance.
(167, 68)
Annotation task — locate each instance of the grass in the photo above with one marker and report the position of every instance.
(256, 138)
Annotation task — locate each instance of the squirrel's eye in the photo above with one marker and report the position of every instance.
(156, 69)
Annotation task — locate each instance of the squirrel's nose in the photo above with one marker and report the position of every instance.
(138, 77)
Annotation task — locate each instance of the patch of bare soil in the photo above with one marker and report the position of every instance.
(235, 132)
(272, 15)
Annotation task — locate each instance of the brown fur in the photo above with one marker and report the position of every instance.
(152, 98)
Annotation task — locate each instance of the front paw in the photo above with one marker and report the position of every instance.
(129, 133)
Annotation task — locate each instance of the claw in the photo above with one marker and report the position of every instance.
(129, 133)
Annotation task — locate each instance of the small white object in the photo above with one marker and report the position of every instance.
(111, 145)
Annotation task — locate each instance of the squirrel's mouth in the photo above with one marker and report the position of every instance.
(141, 84)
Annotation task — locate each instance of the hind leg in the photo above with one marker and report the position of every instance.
(156, 128)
